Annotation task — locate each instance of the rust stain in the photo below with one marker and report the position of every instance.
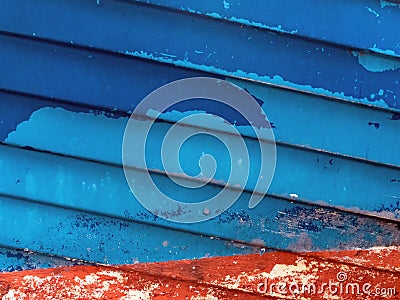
(279, 275)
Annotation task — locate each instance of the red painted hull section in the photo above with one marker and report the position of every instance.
(355, 274)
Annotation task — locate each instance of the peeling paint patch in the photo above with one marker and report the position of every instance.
(234, 277)
(387, 3)
(376, 62)
(276, 79)
(386, 52)
(243, 21)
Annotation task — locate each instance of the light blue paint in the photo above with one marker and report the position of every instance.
(243, 21)
(372, 11)
(377, 63)
(50, 122)
(97, 238)
(386, 52)
(279, 223)
(87, 182)
(226, 4)
(99, 138)
(266, 14)
(276, 80)
(387, 3)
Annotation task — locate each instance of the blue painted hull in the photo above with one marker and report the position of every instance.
(67, 91)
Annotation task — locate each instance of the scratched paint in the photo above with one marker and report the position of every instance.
(234, 277)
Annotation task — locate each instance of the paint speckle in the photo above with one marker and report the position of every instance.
(375, 124)
(226, 5)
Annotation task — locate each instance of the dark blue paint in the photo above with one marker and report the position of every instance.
(343, 22)
(395, 116)
(375, 124)
(257, 54)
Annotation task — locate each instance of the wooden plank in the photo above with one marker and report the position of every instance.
(307, 121)
(358, 24)
(342, 182)
(45, 180)
(276, 275)
(60, 232)
(326, 69)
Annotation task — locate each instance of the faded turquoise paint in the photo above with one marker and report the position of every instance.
(62, 232)
(75, 195)
(341, 182)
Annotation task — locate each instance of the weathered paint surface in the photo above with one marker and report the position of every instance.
(370, 274)
(67, 90)
(100, 138)
(360, 24)
(258, 55)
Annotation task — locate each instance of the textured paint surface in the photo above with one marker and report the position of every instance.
(66, 91)
(329, 275)
(123, 238)
(100, 138)
(354, 26)
(325, 68)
